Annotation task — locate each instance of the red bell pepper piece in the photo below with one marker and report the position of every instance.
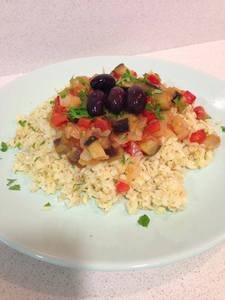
(149, 115)
(84, 123)
(102, 124)
(58, 119)
(152, 127)
(198, 136)
(153, 79)
(200, 113)
(189, 97)
(122, 187)
(58, 107)
(132, 148)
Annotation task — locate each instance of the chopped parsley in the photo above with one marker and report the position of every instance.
(15, 187)
(12, 185)
(153, 91)
(19, 145)
(83, 95)
(31, 127)
(63, 93)
(10, 181)
(4, 147)
(48, 204)
(76, 113)
(42, 143)
(155, 109)
(123, 159)
(144, 221)
(223, 128)
(52, 101)
(22, 123)
(128, 77)
(82, 80)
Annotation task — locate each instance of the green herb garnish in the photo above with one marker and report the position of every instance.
(4, 147)
(81, 80)
(76, 113)
(144, 221)
(15, 187)
(12, 186)
(42, 143)
(155, 109)
(83, 95)
(63, 93)
(128, 77)
(19, 145)
(123, 159)
(22, 123)
(31, 127)
(48, 204)
(223, 128)
(153, 91)
(52, 101)
(10, 181)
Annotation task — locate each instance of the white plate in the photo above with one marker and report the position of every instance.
(84, 236)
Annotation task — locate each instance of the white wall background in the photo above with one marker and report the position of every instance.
(38, 32)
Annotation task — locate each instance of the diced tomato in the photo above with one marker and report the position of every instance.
(149, 115)
(116, 75)
(84, 123)
(198, 136)
(152, 127)
(102, 124)
(200, 113)
(132, 148)
(58, 108)
(122, 187)
(58, 119)
(133, 73)
(153, 79)
(189, 97)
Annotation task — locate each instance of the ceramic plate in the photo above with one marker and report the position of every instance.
(84, 236)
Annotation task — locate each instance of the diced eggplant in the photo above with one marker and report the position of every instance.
(121, 126)
(74, 155)
(111, 151)
(90, 140)
(150, 147)
(60, 147)
(57, 141)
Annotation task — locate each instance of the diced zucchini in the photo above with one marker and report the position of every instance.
(150, 147)
(96, 151)
(212, 141)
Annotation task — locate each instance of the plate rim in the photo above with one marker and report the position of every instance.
(111, 266)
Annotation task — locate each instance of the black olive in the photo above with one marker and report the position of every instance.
(120, 126)
(57, 141)
(136, 100)
(111, 151)
(103, 82)
(90, 140)
(95, 103)
(116, 100)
